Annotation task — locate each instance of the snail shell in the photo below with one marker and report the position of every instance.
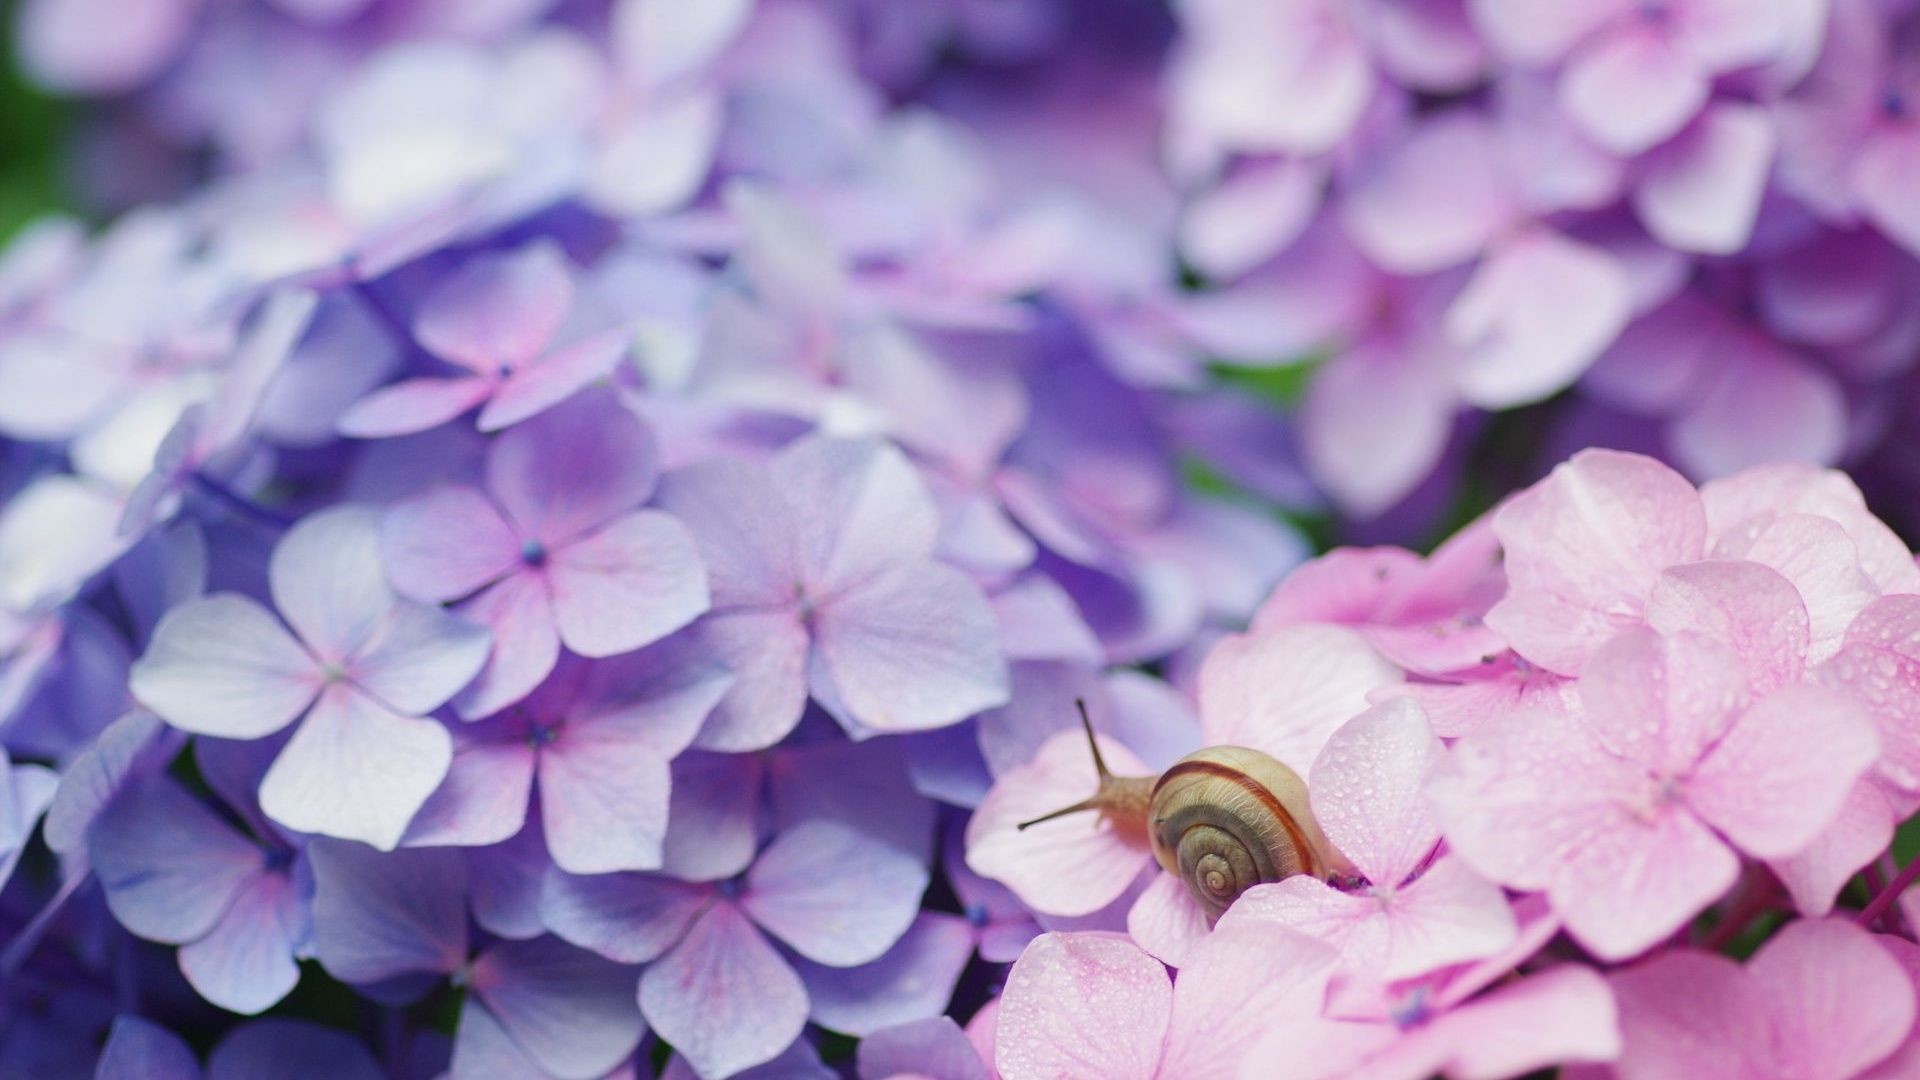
(1227, 818)
(1222, 819)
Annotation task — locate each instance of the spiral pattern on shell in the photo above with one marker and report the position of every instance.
(1226, 818)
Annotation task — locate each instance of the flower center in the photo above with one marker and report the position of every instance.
(533, 553)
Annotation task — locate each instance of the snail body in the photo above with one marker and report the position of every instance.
(1222, 819)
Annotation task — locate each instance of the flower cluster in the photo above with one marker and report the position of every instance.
(549, 550)
(563, 538)
(1560, 782)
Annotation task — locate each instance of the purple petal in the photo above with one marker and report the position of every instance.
(526, 646)
(604, 780)
(290, 1050)
(224, 666)
(571, 1011)
(934, 1047)
(411, 406)
(836, 895)
(631, 918)
(767, 652)
(863, 509)
(130, 747)
(572, 468)
(712, 816)
(498, 310)
(540, 386)
(245, 964)
(328, 580)
(356, 770)
(483, 799)
(632, 582)
(911, 981)
(140, 1049)
(380, 915)
(507, 879)
(418, 656)
(862, 786)
(170, 866)
(741, 520)
(446, 543)
(724, 997)
(910, 648)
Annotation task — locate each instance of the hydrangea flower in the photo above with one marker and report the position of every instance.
(555, 551)
(358, 669)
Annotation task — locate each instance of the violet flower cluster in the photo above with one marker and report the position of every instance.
(562, 538)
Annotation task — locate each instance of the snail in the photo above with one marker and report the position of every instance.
(1223, 819)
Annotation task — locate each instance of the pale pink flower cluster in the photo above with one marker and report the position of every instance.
(1604, 733)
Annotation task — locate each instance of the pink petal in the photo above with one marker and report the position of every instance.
(355, 770)
(629, 583)
(1745, 606)
(1855, 837)
(724, 998)
(1584, 548)
(1632, 89)
(1883, 183)
(834, 894)
(572, 468)
(1836, 1000)
(1251, 215)
(553, 379)
(1782, 773)
(1803, 409)
(497, 310)
(1436, 199)
(245, 964)
(328, 580)
(1538, 312)
(1046, 1029)
(1366, 790)
(446, 543)
(1245, 979)
(1883, 680)
(1167, 921)
(1284, 692)
(1818, 558)
(1538, 34)
(911, 648)
(525, 644)
(1353, 923)
(1689, 1013)
(1789, 487)
(412, 405)
(1449, 915)
(1661, 702)
(1701, 192)
(1073, 865)
(1562, 1016)
(223, 665)
(1531, 801)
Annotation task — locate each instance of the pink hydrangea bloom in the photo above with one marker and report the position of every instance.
(1820, 998)
(1628, 812)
